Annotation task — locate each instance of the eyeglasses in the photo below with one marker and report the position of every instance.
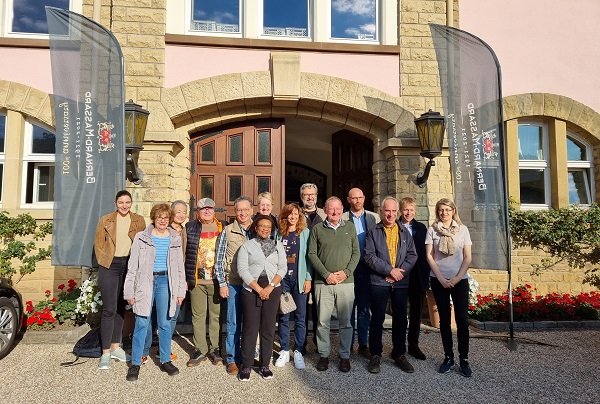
(264, 226)
(162, 218)
(447, 210)
(206, 208)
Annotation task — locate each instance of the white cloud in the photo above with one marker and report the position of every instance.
(352, 32)
(224, 17)
(368, 28)
(358, 7)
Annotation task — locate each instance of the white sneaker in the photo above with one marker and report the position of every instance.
(284, 357)
(104, 362)
(298, 360)
(120, 355)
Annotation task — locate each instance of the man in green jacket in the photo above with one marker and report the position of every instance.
(334, 253)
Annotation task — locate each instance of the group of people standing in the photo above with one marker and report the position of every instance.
(350, 263)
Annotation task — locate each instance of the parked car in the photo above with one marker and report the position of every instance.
(11, 316)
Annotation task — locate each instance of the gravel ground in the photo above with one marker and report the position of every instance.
(566, 371)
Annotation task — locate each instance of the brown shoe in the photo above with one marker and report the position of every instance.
(344, 365)
(214, 358)
(323, 364)
(232, 369)
(404, 364)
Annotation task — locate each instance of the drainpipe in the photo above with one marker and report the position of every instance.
(450, 13)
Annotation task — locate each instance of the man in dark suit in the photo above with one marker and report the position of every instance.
(419, 277)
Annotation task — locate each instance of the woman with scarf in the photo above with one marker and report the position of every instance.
(448, 250)
(262, 264)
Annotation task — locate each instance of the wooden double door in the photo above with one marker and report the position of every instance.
(238, 161)
(235, 160)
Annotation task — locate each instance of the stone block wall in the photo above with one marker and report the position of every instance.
(558, 279)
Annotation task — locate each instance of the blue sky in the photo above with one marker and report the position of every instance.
(351, 17)
(30, 15)
(277, 13)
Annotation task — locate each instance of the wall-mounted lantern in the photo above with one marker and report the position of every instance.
(430, 128)
(136, 119)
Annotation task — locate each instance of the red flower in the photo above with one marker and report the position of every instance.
(61, 286)
(72, 283)
(53, 300)
(47, 293)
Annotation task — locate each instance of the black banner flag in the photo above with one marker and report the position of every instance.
(87, 75)
(472, 98)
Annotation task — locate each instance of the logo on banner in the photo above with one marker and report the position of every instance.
(489, 145)
(105, 136)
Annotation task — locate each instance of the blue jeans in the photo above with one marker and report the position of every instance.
(152, 329)
(379, 299)
(160, 298)
(234, 325)
(361, 313)
(290, 285)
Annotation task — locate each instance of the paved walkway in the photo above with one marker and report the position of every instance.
(566, 372)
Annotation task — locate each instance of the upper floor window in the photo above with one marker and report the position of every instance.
(354, 19)
(288, 18)
(38, 164)
(533, 165)
(29, 16)
(579, 168)
(217, 16)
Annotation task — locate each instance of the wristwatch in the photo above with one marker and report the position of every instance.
(272, 284)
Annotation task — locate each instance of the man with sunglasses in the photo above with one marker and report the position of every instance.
(202, 234)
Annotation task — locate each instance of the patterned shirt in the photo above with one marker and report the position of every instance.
(391, 239)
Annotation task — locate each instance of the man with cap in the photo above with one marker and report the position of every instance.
(200, 253)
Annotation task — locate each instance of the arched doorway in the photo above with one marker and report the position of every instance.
(246, 158)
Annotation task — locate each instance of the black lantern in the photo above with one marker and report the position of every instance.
(430, 128)
(136, 119)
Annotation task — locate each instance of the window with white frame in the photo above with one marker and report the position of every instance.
(287, 19)
(579, 171)
(354, 19)
(534, 178)
(28, 17)
(2, 139)
(38, 165)
(216, 16)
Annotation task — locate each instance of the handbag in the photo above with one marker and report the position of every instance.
(286, 303)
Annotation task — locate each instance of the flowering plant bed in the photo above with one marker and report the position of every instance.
(530, 307)
(70, 307)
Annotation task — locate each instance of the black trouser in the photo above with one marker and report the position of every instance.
(110, 284)
(415, 302)
(460, 300)
(258, 315)
(379, 298)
